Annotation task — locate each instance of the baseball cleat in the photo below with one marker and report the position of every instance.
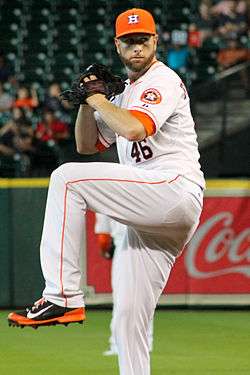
(45, 313)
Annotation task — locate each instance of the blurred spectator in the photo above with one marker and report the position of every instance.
(51, 128)
(17, 136)
(5, 105)
(231, 19)
(16, 141)
(195, 38)
(5, 100)
(224, 7)
(178, 52)
(202, 27)
(232, 54)
(50, 134)
(52, 100)
(18, 114)
(28, 100)
(24, 140)
(7, 135)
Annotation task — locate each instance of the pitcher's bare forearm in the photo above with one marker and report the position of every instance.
(120, 120)
(86, 130)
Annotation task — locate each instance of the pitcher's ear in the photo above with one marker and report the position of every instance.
(117, 45)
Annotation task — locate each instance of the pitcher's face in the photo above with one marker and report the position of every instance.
(137, 51)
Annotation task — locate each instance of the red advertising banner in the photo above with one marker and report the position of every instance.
(216, 261)
(98, 269)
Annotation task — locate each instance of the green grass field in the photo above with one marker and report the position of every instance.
(186, 342)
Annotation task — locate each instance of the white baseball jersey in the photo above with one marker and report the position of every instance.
(161, 95)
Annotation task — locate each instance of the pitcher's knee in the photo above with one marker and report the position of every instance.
(62, 172)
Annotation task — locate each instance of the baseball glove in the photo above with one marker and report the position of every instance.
(109, 253)
(106, 83)
(106, 245)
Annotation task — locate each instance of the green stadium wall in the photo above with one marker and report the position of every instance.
(22, 203)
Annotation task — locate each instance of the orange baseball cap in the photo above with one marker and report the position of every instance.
(134, 20)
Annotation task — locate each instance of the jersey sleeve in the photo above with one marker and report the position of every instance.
(106, 136)
(158, 98)
(146, 121)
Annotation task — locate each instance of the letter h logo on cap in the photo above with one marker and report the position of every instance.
(134, 18)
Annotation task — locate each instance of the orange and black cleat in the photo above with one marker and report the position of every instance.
(45, 313)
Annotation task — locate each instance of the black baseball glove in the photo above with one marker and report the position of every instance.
(108, 253)
(106, 83)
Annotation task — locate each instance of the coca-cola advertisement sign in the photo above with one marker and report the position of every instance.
(217, 260)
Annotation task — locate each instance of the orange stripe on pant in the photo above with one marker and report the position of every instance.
(65, 208)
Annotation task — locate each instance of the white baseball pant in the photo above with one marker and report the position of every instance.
(118, 237)
(161, 210)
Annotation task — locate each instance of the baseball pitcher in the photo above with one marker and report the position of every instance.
(156, 190)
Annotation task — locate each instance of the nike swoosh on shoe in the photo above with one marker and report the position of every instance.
(31, 315)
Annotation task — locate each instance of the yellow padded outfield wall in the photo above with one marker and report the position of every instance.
(212, 185)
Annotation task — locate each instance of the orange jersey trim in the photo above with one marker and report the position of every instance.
(146, 121)
(151, 115)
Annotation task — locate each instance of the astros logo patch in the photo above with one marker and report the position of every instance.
(151, 96)
(134, 18)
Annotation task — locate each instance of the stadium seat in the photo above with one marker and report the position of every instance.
(62, 4)
(12, 14)
(65, 74)
(10, 37)
(40, 15)
(66, 61)
(35, 44)
(78, 32)
(94, 15)
(67, 15)
(41, 4)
